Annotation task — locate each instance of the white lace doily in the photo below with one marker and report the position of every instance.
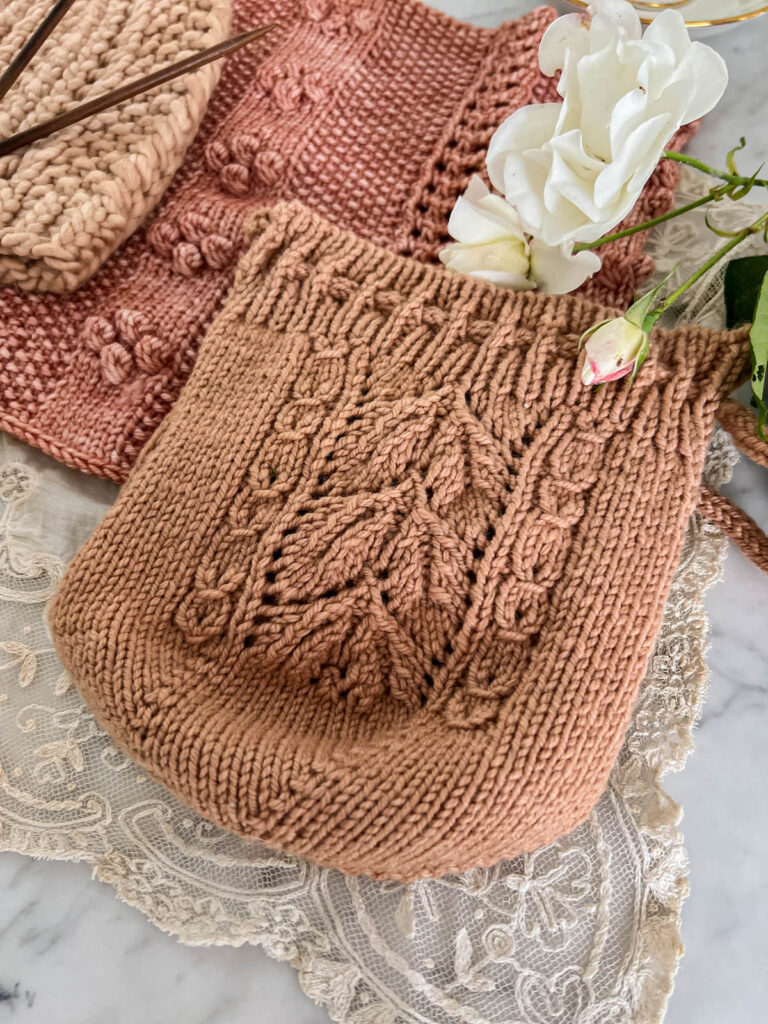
(585, 931)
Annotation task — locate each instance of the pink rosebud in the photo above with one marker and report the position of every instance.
(612, 350)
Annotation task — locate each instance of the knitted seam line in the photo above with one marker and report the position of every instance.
(66, 202)
(381, 589)
(373, 112)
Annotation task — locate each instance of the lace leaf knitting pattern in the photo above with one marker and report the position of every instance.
(383, 587)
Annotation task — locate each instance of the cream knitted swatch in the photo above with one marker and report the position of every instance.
(66, 202)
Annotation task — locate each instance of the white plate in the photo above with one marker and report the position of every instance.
(707, 15)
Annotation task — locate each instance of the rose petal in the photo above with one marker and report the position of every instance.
(526, 129)
(557, 270)
(480, 217)
(563, 35)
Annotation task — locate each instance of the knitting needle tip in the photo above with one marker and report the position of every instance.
(131, 89)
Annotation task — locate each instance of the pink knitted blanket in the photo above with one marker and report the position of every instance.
(374, 113)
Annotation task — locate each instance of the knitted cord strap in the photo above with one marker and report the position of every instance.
(733, 521)
(742, 426)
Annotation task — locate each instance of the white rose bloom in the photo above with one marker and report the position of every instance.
(491, 246)
(575, 169)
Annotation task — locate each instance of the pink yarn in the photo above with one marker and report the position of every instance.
(374, 113)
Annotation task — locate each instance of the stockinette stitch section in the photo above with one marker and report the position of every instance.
(67, 201)
(374, 112)
(381, 589)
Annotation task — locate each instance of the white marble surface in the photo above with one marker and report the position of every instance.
(70, 953)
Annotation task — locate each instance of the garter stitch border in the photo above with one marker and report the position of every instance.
(66, 202)
(381, 589)
(375, 113)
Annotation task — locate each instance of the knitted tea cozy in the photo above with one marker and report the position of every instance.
(373, 112)
(66, 202)
(381, 589)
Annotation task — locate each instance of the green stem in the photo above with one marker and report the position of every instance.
(710, 197)
(732, 179)
(737, 239)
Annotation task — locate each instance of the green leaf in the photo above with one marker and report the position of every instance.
(639, 310)
(746, 188)
(743, 280)
(719, 231)
(758, 346)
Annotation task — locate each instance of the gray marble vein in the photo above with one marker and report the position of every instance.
(71, 953)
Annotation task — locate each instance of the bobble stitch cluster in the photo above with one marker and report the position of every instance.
(243, 163)
(124, 342)
(191, 244)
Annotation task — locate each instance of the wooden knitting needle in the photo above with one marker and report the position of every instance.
(33, 44)
(125, 92)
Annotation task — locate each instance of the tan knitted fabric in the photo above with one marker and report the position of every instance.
(382, 586)
(66, 202)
